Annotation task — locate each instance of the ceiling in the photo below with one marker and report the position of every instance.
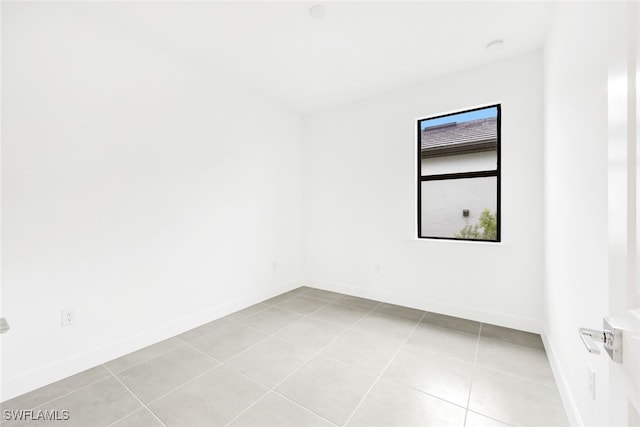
(356, 50)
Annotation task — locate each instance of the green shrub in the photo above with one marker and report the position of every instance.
(485, 229)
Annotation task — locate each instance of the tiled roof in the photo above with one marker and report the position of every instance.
(459, 138)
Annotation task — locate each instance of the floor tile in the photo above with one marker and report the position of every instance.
(516, 401)
(444, 341)
(328, 388)
(280, 298)
(203, 330)
(521, 361)
(301, 290)
(340, 315)
(55, 390)
(246, 312)
(397, 310)
(228, 341)
(363, 303)
(137, 357)
(140, 418)
(301, 304)
(271, 320)
(98, 404)
(323, 295)
(276, 411)
(393, 405)
(158, 376)
(310, 334)
(213, 399)
(270, 361)
(477, 420)
(513, 336)
(385, 326)
(440, 376)
(450, 322)
(331, 358)
(363, 351)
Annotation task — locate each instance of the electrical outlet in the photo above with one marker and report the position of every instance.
(378, 268)
(274, 265)
(591, 382)
(68, 317)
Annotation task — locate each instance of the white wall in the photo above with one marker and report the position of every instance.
(360, 200)
(148, 195)
(576, 240)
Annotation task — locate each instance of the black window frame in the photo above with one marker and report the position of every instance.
(462, 175)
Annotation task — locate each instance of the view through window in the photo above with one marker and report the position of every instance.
(459, 175)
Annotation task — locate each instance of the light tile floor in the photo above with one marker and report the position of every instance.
(316, 358)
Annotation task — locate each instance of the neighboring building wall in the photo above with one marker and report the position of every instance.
(485, 160)
(444, 201)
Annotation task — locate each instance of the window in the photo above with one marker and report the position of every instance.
(459, 175)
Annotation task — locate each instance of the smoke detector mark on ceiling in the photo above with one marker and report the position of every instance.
(317, 11)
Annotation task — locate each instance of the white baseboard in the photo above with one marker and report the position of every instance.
(79, 362)
(494, 318)
(570, 406)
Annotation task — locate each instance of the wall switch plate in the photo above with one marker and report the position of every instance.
(591, 382)
(68, 317)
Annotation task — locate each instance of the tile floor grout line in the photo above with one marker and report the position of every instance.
(258, 400)
(240, 321)
(542, 350)
(72, 391)
(509, 374)
(268, 305)
(492, 418)
(272, 335)
(313, 356)
(288, 399)
(377, 380)
(326, 303)
(126, 416)
(202, 374)
(274, 391)
(305, 296)
(393, 380)
(268, 388)
(271, 390)
(223, 363)
(475, 366)
(136, 397)
(182, 344)
(304, 316)
(322, 349)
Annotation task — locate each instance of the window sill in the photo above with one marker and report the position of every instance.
(457, 242)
